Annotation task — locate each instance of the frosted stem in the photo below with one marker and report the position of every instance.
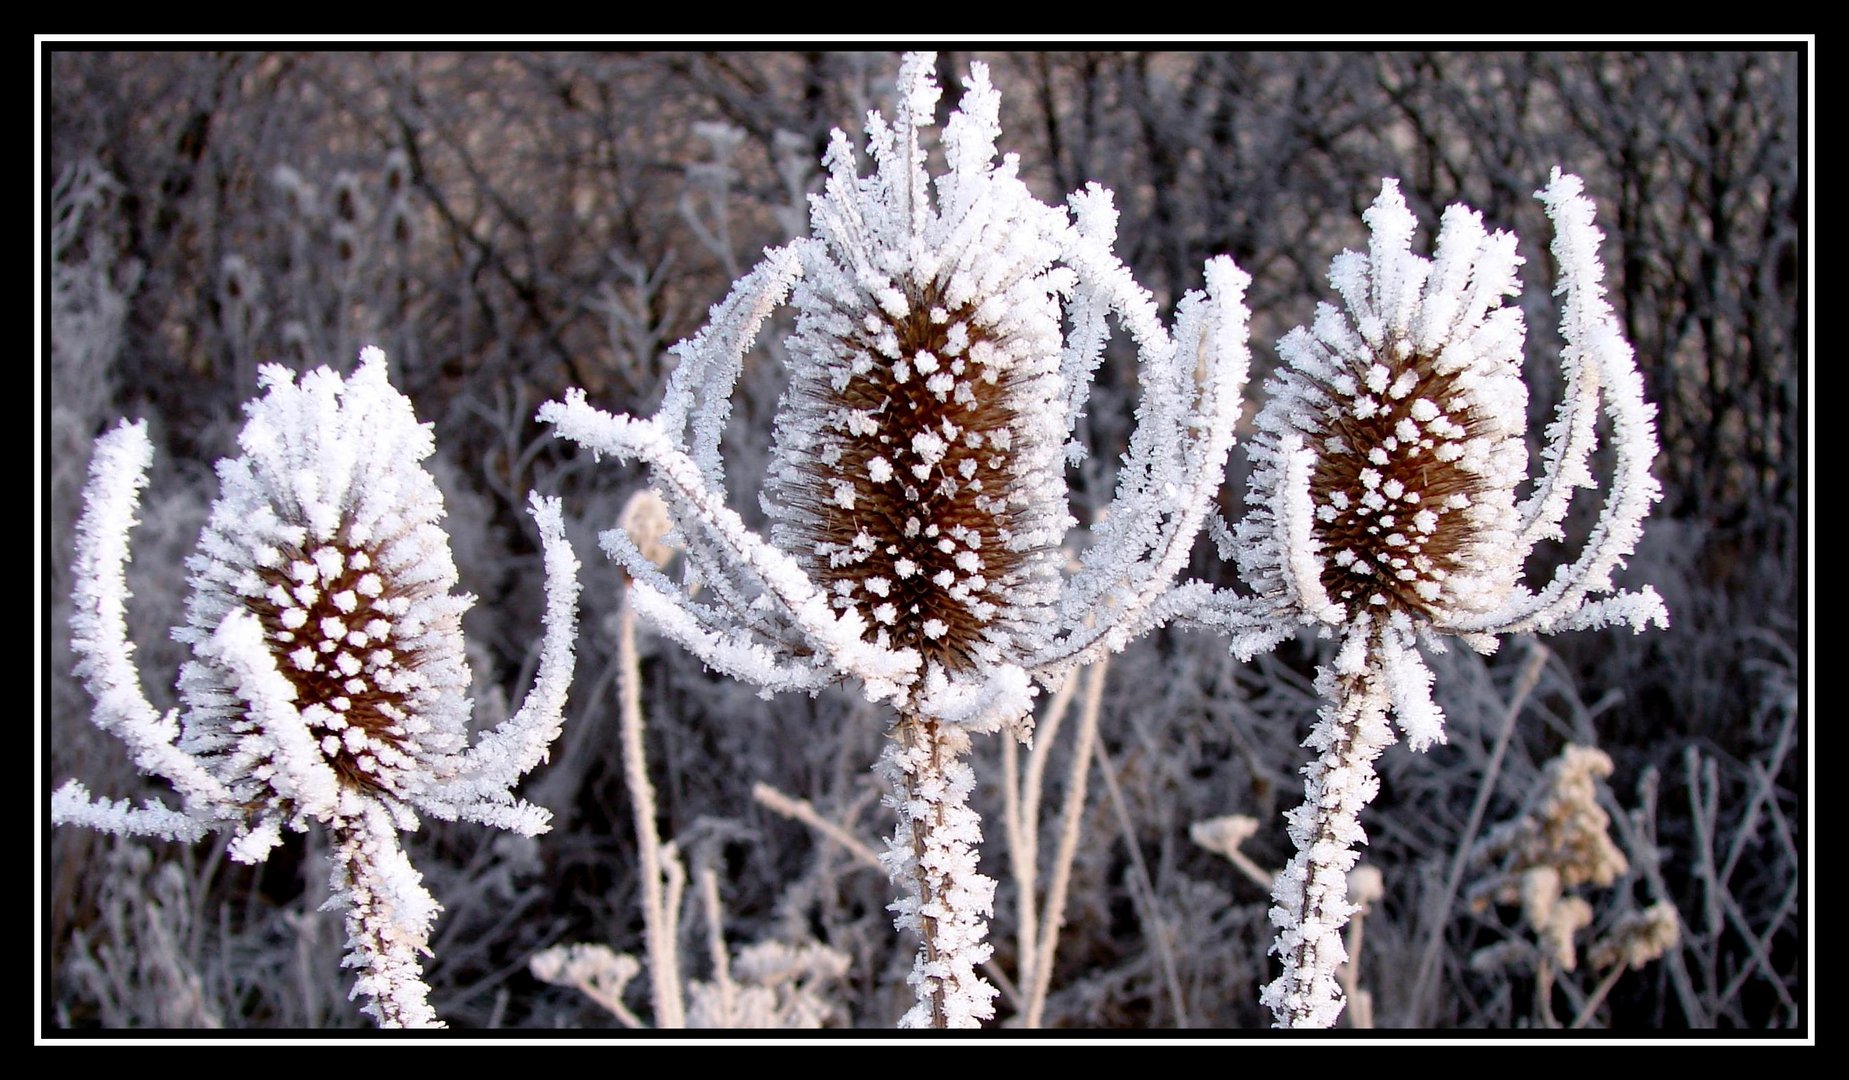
(708, 880)
(388, 919)
(1312, 891)
(933, 856)
(804, 811)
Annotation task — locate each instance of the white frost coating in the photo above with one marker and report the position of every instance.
(1004, 697)
(1457, 342)
(734, 654)
(1311, 893)
(299, 773)
(882, 232)
(1410, 684)
(699, 394)
(934, 851)
(1296, 536)
(322, 571)
(72, 804)
(1596, 354)
(1193, 390)
(118, 472)
(488, 770)
(733, 546)
(946, 331)
(389, 915)
(1382, 509)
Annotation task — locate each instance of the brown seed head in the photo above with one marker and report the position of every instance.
(1390, 485)
(912, 519)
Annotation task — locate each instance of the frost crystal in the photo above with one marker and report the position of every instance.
(1384, 511)
(328, 677)
(946, 332)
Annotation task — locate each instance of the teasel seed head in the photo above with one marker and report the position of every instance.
(1390, 454)
(1393, 443)
(328, 677)
(918, 468)
(329, 666)
(1383, 511)
(326, 532)
(947, 329)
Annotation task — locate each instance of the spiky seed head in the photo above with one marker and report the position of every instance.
(1405, 419)
(917, 468)
(326, 531)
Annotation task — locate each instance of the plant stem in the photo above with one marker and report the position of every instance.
(1312, 890)
(1070, 821)
(1021, 800)
(1360, 1006)
(388, 918)
(708, 880)
(1597, 997)
(933, 855)
(663, 962)
(803, 811)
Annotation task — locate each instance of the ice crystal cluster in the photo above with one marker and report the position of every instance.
(946, 331)
(328, 681)
(1386, 511)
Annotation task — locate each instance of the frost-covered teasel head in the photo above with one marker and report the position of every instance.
(946, 331)
(1386, 509)
(1386, 489)
(1401, 432)
(917, 471)
(325, 546)
(328, 681)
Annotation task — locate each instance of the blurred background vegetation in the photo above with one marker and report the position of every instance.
(509, 224)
